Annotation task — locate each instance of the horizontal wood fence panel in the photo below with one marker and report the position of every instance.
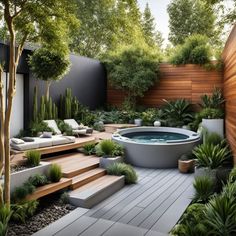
(188, 81)
(229, 58)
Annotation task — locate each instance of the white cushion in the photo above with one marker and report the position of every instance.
(72, 123)
(79, 131)
(53, 125)
(71, 139)
(17, 141)
(46, 135)
(25, 146)
(43, 142)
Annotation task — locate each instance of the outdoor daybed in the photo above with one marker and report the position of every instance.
(21, 145)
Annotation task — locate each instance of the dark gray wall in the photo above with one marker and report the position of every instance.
(86, 78)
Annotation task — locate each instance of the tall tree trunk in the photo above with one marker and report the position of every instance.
(48, 89)
(2, 139)
(10, 95)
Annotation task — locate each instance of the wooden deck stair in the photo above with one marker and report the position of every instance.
(90, 184)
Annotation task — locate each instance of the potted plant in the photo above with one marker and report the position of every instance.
(186, 163)
(109, 152)
(212, 120)
(210, 157)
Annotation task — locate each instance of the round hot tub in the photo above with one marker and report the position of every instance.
(156, 147)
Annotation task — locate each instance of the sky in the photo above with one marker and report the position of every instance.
(159, 11)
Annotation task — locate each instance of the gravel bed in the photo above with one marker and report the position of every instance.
(19, 168)
(49, 212)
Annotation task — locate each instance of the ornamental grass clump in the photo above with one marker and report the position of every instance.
(123, 169)
(33, 158)
(89, 149)
(204, 188)
(211, 156)
(108, 148)
(55, 173)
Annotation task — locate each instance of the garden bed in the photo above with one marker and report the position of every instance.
(51, 208)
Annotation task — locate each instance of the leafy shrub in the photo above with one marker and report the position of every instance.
(232, 175)
(65, 128)
(204, 188)
(24, 210)
(89, 149)
(192, 222)
(33, 157)
(212, 138)
(213, 101)
(211, 113)
(211, 156)
(177, 112)
(39, 127)
(21, 192)
(195, 50)
(220, 215)
(132, 68)
(99, 126)
(5, 215)
(123, 169)
(38, 180)
(55, 173)
(64, 198)
(149, 116)
(109, 148)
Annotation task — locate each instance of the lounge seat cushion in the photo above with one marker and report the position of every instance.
(79, 131)
(24, 146)
(53, 125)
(43, 142)
(72, 123)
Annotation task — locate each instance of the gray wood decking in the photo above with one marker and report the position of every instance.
(150, 207)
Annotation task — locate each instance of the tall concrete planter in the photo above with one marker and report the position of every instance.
(214, 125)
(105, 162)
(18, 178)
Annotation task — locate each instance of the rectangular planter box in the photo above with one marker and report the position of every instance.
(18, 178)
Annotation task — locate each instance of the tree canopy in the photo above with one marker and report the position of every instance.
(189, 17)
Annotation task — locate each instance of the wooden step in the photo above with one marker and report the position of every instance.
(75, 163)
(49, 188)
(87, 177)
(94, 192)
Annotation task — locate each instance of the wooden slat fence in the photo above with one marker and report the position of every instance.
(188, 81)
(229, 57)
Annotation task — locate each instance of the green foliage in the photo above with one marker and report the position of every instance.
(195, 50)
(64, 198)
(177, 112)
(89, 149)
(109, 148)
(55, 173)
(99, 126)
(192, 222)
(215, 100)
(23, 210)
(211, 113)
(65, 128)
(211, 156)
(149, 116)
(220, 215)
(152, 37)
(69, 105)
(133, 69)
(204, 188)
(232, 175)
(38, 180)
(48, 64)
(22, 191)
(33, 157)
(39, 127)
(123, 169)
(189, 17)
(212, 138)
(5, 215)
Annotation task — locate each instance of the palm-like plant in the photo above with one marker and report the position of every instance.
(178, 111)
(204, 188)
(221, 216)
(211, 156)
